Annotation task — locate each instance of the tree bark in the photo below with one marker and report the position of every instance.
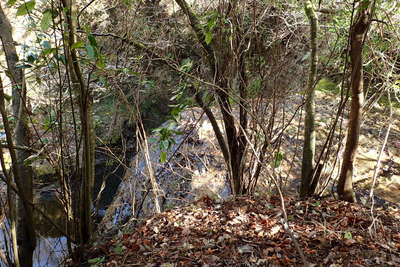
(26, 238)
(25, 230)
(307, 168)
(23, 174)
(357, 36)
(10, 52)
(11, 197)
(85, 108)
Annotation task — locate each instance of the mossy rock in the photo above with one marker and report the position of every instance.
(326, 85)
(42, 168)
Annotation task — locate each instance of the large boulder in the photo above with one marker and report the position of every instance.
(195, 169)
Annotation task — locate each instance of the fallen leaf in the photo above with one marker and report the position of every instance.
(245, 249)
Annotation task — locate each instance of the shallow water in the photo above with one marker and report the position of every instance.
(51, 246)
(50, 251)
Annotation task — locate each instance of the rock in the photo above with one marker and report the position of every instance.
(42, 167)
(195, 170)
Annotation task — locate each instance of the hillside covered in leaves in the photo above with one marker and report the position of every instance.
(251, 232)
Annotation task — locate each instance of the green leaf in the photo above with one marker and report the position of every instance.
(212, 22)
(365, 4)
(48, 51)
(164, 144)
(62, 59)
(31, 58)
(348, 235)
(26, 8)
(316, 204)
(278, 159)
(119, 249)
(153, 140)
(23, 66)
(100, 63)
(96, 260)
(208, 37)
(92, 40)
(187, 65)
(46, 21)
(10, 3)
(79, 44)
(46, 44)
(7, 97)
(127, 2)
(90, 51)
(163, 156)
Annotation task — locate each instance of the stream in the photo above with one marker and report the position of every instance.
(50, 251)
(51, 247)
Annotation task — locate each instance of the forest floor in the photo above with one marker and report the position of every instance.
(251, 232)
(373, 130)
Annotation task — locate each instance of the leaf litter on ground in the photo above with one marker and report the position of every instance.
(248, 231)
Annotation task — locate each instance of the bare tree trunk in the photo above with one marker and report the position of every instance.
(10, 51)
(357, 36)
(234, 142)
(85, 107)
(25, 230)
(11, 197)
(307, 168)
(26, 238)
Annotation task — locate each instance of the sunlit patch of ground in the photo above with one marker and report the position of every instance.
(373, 131)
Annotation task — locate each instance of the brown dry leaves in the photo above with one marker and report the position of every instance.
(249, 232)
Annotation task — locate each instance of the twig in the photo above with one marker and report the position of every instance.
(378, 163)
(81, 11)
(286, 224)
(3, 145)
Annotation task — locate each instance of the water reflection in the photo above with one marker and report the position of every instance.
(50, 251)
(51, 246)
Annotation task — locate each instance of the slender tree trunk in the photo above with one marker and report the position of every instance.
(85, 107)
(25, 231)
(10, 51)
(307, 168)
(26, 238)
(217, 61)
(357, 36)
(11, 197)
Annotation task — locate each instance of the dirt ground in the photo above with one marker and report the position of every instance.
(373, 130)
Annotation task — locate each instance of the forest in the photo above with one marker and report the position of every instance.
(199, 133)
